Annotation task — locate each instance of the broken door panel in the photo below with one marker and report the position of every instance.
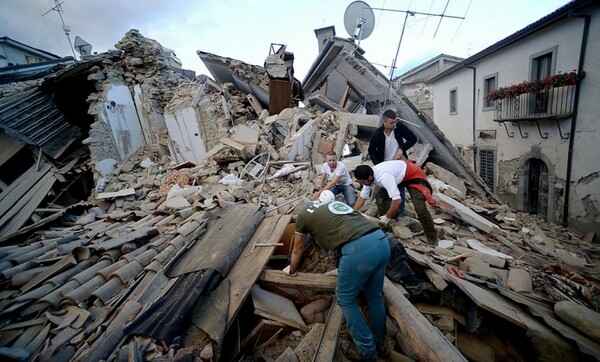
(151, 121)
(120, 113)
(185, 132)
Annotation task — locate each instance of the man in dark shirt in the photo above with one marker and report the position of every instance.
(364, 251)
(390, 142)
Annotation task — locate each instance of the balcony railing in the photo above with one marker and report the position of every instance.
(553, 103)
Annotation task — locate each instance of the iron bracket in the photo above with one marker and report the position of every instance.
(523, 134)
(509, 134)
(545, 134)
(566, 135)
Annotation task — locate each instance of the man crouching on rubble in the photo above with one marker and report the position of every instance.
(364, 251)
(393, 175)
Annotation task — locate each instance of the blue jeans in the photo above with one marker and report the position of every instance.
(362, 267)
(349, 193)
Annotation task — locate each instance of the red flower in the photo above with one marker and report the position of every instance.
(536, 85)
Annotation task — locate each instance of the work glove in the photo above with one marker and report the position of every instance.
(384, 220)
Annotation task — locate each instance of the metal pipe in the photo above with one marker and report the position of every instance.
(584, 39)
(474, 119)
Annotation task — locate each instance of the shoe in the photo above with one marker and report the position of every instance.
(382, 350)
(349, 350)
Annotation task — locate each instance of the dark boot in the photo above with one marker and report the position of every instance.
(350, 351)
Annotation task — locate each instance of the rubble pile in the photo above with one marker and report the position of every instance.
(499, 285)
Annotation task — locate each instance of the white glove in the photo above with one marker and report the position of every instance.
(384, 220)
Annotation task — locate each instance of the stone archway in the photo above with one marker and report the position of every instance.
(536, 184)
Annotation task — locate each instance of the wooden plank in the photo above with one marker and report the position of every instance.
(21, 186)
(326, 349)
(450, 205)
(22, 210)
(275, 307)
(249, 266)
(427, 342)
(10, 147)
(301, 281)
(264, 330)
(120, 193)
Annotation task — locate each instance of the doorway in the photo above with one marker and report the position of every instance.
(536, 187)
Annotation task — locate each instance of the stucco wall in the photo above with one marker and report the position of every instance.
(458, 127)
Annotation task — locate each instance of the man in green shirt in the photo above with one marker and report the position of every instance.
(364, 251)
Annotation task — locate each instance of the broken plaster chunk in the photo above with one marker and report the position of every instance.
(445, 244)
(519, 280)
(477, 245)
(438, 221)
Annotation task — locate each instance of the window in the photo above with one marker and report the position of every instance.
(30, 59)
(453, 99)
(542, 66)
(490, 83)
(486, 167)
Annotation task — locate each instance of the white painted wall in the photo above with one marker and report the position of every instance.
(458, 127)
(120, 113)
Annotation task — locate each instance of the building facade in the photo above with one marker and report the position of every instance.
(13, 53)
(532, 137)
(413, 84)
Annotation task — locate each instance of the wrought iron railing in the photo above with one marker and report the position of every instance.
(549, 103)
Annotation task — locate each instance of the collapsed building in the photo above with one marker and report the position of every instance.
(176, 253)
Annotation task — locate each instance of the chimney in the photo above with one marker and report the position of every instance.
(324, 34)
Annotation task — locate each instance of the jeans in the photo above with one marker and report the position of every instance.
(383, 201)
(349, 193)
(362, 268)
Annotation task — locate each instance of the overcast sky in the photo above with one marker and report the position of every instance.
(244, 29)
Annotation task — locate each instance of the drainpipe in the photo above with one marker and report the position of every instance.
(584, 37)
(474, 132)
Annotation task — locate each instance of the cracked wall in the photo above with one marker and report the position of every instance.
(507, 186)
(584, 211)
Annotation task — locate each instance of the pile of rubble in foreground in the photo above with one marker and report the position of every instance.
(504, 285)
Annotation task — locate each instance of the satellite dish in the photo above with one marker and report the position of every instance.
(83, 47)
(359, 20)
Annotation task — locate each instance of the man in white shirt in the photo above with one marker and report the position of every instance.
(392, 175)
(390, 142)
(337, 179)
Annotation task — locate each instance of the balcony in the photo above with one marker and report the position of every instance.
(551, 98)
(553, 103)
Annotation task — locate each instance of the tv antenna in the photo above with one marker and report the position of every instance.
(359, 21)
(57, 7)
(411, 13)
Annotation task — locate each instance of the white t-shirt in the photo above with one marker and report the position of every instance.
(340, 170)
(391, 146)
(387, 174)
